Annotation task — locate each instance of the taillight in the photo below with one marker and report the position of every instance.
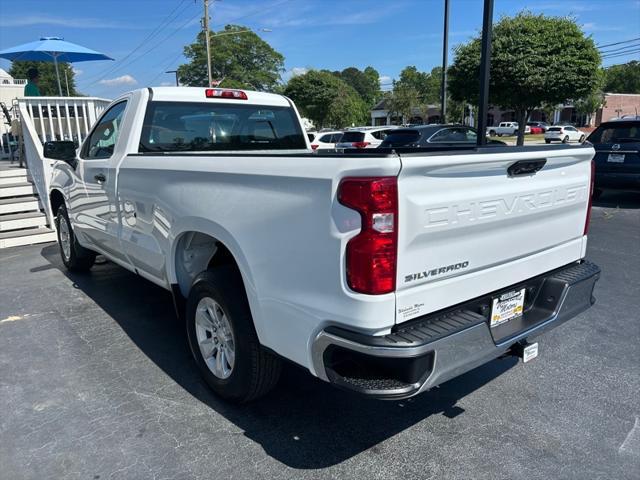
(371, 255)
(360, 144)
(592, 181)
(314, 147)
(223, 93)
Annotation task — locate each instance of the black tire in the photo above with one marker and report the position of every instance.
(492, 133)
(499, 134)
(582, 138)
(547, 141)
(565, 139)
(79, 259)
(255, 370)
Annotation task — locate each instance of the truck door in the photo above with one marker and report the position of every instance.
(92, 199)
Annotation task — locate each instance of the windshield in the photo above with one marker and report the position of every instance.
(184, 127)
(554, 129)
(401, 137)
(625, 132)
(352, 137)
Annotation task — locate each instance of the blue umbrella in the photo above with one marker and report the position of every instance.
(54, 49)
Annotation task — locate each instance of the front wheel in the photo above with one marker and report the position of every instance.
(547, 141)
(223, 339)
(74, 256)
(582, 138)
(492, 133)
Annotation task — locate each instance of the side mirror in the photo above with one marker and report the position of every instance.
(64, 150)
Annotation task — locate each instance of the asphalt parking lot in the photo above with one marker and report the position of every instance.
(96, 382)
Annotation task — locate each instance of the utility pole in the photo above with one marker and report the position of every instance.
(485, 67)
(205, 24)
(445, 54)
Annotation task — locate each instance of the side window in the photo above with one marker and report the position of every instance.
(326, 138)
(105, 134)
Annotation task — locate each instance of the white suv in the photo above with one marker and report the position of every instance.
(563, 134)
(364, 137)
(325, 140)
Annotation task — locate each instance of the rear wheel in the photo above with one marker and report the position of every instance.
(492, 133)
(74, 256)
(565, 139)
(499, 134)
(547, 141)
(223, 339)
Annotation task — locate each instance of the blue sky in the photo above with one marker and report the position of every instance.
(332, 34)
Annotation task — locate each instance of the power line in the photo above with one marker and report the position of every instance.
(620, 54)
(251, 13)
(618, 43)
(156, 45)
(167, 19)
(626, 47)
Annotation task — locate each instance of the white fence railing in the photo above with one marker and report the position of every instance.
(62, 118)
(44, 119)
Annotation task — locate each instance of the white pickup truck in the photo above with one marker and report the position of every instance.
(506, 128)
(382, 272)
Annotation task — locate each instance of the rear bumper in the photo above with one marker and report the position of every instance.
(617, 180)
(430, 350)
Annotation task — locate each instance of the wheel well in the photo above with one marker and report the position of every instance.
(195, 253)
(56, 199)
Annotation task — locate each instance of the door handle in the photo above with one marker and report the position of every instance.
(100, 178)
(525, 167)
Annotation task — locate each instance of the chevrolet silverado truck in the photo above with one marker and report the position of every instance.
(384, 272)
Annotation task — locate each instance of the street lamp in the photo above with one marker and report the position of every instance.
(176, 72)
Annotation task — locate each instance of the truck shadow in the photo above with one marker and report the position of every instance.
(618, 199)
(304, 423)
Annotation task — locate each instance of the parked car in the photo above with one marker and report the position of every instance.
(538, 127)
(364, 137)
(617, 160)
(564, 134)
(433, 135)
(506, 128)
(325, 140)
(382, 274)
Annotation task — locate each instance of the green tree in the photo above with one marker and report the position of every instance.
(402, 101)
(47, 84)
(366, 83)
(589, 104)
(534, 59)
(240, 60)
(326, 100)
(624, 78)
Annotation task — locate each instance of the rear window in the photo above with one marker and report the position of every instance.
(616, 133)
(401, 137)
(352, 137)
(554, 129)
(190, 127)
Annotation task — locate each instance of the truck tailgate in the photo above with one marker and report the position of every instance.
(468, 227)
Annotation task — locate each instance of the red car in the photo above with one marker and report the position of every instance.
(536, 130)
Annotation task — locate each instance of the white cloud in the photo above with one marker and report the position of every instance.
(116, 82)
(385, 79)
(77, 71)
(78, 22)
(295, 71)
(594, 27)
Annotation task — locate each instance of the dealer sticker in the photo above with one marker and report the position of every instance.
(507, 307)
